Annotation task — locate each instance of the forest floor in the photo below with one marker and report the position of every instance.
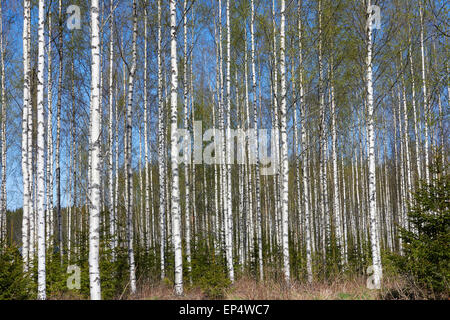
(250, 289)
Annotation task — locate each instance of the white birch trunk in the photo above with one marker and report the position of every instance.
(322, 144)
(255, 126)
(229, 211)
(139, 222)
(175, 193)
(337, 205)
(26, 174)
(248, 180)
(416, 122)
(49, 216)
(402, 166)
(3, 134)
(299, 217)
(406, 140)
(345, 222)
(216, 167)
(191, 84)
(305, 177)
(58, 129)
(95, 124)
(111, 194)
(114, 238)
(247, 176)
(146, 166)
(186, 156)
(376, 259)
(284, 151)
(161, 152)
(41, 156)
(276, 124)
(425, 97)
(128, 156)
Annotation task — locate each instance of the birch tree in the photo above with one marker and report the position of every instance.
(41, 155)
(111, 195)
(413, 101)
(255, 126)
(424, 92)
(146, 171)
(186, 156)
(94, 141)
(304, 151)
(374, 239)
(322, 144)
(3, 132)
(25, 151)
(128, 156)
(161, 153)
(337, 206)
(58, 127)
(49, 214)
(228, 218)
(284, 150)
(175, 210)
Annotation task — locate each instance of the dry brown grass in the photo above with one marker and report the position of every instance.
(65, 295)
(164, 291)
(247, 288)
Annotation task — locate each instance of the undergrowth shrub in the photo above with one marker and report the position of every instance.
(14, 283)
(425, 262)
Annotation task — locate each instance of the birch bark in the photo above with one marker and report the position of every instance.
(229, 211)
(186, 156)
(58, 127)
(376, 259)
(175, 210)
(3, 133)
(111, 194)
(49, 215)
(161, 152)
(284, 150)
(41, 155)
(128, 156)
(337, 204)
(424, 92)
(94, 141)
(304, 151)
(255, 126)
